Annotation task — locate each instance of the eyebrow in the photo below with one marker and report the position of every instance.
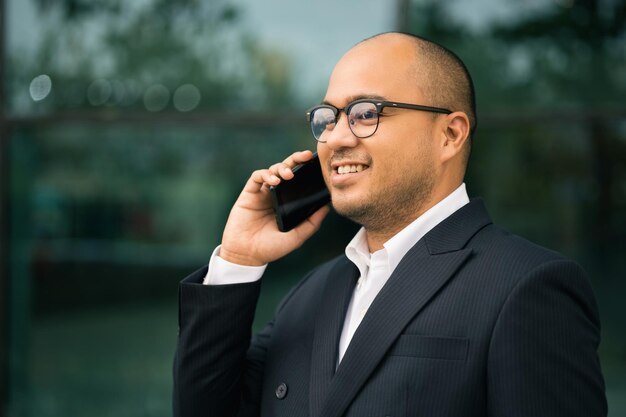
(358, 97)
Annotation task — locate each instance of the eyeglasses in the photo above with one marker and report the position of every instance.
(363, 116)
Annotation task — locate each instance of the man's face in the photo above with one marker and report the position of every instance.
(398, 160)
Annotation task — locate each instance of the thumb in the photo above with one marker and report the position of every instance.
(307, 228)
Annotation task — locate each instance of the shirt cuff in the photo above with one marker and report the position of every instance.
(222, 272)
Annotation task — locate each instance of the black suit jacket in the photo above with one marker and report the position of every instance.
(473, 322)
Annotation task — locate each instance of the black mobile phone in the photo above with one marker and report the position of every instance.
(295, 200)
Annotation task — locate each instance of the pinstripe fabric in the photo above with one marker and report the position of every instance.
(396, 304)
(473, 322)
(328, 325)
(204, 321)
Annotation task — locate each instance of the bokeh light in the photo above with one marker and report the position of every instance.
(156, 97)
(40, 87)
(186, 97)
(99, 91)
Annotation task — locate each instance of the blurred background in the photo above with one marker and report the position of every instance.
(127, 129)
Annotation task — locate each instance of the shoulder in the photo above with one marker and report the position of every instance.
(511, 254)
(504, 261)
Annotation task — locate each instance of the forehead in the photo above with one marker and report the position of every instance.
(384, 66)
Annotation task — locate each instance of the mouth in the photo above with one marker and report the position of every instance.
(347, 172)
(348, 168)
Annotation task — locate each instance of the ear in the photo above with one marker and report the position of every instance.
(455, 133)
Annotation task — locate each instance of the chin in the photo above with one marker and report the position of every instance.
(353, 210)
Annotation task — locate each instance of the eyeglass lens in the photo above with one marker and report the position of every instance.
(362, 120)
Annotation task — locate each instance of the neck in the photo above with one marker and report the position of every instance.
(376, 237)
(377, 234)
(376, 241)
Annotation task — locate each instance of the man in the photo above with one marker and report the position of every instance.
(432, 311)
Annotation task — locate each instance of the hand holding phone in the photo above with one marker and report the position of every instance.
(250, 236)
(296, 200)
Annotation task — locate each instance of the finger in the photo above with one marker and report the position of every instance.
(259, 178)
(284, 169)
(269, 178)
(277, 171)
(298, 158)
(262, 176)
(307, 228)
(281, 170)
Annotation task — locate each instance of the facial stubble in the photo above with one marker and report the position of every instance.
(393, 205)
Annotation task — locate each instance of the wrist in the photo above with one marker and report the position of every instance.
(238, 259)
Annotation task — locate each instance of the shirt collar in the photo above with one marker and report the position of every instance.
(357, 250)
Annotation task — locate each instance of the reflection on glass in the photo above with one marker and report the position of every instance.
(110, 217)
(99, 92)
(186, 97)
(93, 54)
(40, 87)
(156, 97)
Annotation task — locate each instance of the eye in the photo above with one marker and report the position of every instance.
(364, 113)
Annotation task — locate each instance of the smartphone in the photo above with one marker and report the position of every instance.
(295, 200)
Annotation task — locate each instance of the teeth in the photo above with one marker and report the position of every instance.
(346, 169)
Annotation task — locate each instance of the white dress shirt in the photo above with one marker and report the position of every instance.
(375, 268)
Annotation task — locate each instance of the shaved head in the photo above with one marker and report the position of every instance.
(441, 76)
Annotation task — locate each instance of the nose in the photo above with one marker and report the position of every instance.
(341, 136)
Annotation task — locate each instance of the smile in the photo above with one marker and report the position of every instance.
(348, 169)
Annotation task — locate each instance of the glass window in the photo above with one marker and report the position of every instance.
(129, 128)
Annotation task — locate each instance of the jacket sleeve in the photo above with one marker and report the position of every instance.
(217, 370)
(543, 353)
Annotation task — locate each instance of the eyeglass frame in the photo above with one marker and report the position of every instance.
(380, 105)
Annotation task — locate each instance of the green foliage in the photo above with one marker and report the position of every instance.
(105, 56)
(547, 81)
(570, 54)
(575, 52)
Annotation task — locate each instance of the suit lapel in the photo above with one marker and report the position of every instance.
(409, 288)
(420, 275)
(328, 326)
